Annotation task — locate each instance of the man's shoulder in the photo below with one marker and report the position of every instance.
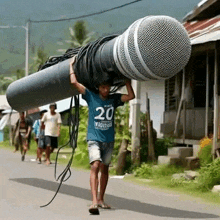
(46, 113)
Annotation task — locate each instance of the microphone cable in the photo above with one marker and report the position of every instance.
(85, 59)
(73, 136)
(84, 66)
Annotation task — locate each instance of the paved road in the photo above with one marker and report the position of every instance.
(25, 186)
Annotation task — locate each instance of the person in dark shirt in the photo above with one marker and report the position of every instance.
(22, 134)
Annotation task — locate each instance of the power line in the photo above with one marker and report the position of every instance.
(88, 15)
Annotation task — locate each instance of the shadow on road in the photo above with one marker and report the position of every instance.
(119, 202)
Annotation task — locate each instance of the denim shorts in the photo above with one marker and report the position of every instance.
(100, 151)
(51, 141)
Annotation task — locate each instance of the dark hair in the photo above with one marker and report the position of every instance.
(53, 104)
(105, 82)
(42, 112)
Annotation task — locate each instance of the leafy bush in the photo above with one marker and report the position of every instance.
(81, 154)
(64, 135)
(209, 175)
(175, 182)
(122, 130)
(144, 171)
(155, 171)
(162, 144)
(205, 142)
(6, 133)
(205, 155)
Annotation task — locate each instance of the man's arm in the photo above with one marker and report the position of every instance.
(80, 88)
(28, 131)
(29, 125)
(59, 128)
(42, 127)
(130, 95)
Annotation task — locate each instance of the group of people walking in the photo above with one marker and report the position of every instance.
(46, 132)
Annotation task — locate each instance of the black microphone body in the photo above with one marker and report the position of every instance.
(46, 86)
(152, 48)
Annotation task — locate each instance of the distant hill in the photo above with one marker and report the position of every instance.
(16, 13)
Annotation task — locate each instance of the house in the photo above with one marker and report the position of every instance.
(10, 117)
(192, 96)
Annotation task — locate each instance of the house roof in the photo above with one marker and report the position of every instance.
(204, 31)
(4, 103)
(205, 9)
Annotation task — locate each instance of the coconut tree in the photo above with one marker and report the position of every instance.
(79, 36)
(39, 59)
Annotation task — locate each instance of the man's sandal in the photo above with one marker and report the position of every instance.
(93, 209)
(104, 206)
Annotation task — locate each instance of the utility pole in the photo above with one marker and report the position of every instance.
(27, 39)
(27, 28)
(136, 103)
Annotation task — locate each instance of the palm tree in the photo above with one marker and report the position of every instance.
(20, 73)
(79, 36)
(39, 59)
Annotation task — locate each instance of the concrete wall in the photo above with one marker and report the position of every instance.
(155, 90)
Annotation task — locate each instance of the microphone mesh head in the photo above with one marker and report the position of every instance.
(154, 47)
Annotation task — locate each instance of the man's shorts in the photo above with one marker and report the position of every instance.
(51, 141)
(100, 151)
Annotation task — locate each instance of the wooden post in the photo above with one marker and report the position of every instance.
(215, 96)
(151, 153)
(207, 96)
(136, 103)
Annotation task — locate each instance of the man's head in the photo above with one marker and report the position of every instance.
(104, 88)
(52, 107)
(22, 115)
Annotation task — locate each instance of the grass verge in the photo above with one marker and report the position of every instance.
(63, 157)
(164, 183)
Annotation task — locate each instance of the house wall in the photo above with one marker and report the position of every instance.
(155, 90)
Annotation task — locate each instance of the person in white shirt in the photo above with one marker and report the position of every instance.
(51, 122)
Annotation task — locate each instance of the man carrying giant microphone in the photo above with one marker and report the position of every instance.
(152, 48)
(100, 134)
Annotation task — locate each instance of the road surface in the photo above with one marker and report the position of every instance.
(25, 186)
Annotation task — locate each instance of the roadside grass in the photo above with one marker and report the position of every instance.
(187, 188)
(63, 158)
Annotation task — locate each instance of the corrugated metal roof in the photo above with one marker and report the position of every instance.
(203, 31)
(204, 10)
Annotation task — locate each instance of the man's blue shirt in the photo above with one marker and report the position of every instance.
(101, 116)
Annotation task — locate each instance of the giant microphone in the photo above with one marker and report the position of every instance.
(152, 48)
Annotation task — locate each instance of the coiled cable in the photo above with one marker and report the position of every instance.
(73, 136)
(84, 66)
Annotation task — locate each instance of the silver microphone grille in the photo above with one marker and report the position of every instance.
(153, 47)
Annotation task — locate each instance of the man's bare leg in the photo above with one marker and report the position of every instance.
(103, 184)
(48, 149)
(93, 209)
(94, 181)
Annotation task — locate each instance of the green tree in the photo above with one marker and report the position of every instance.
(5, 82)
(20, 73)
(123, 137)
(79, 36)
(39, 59)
